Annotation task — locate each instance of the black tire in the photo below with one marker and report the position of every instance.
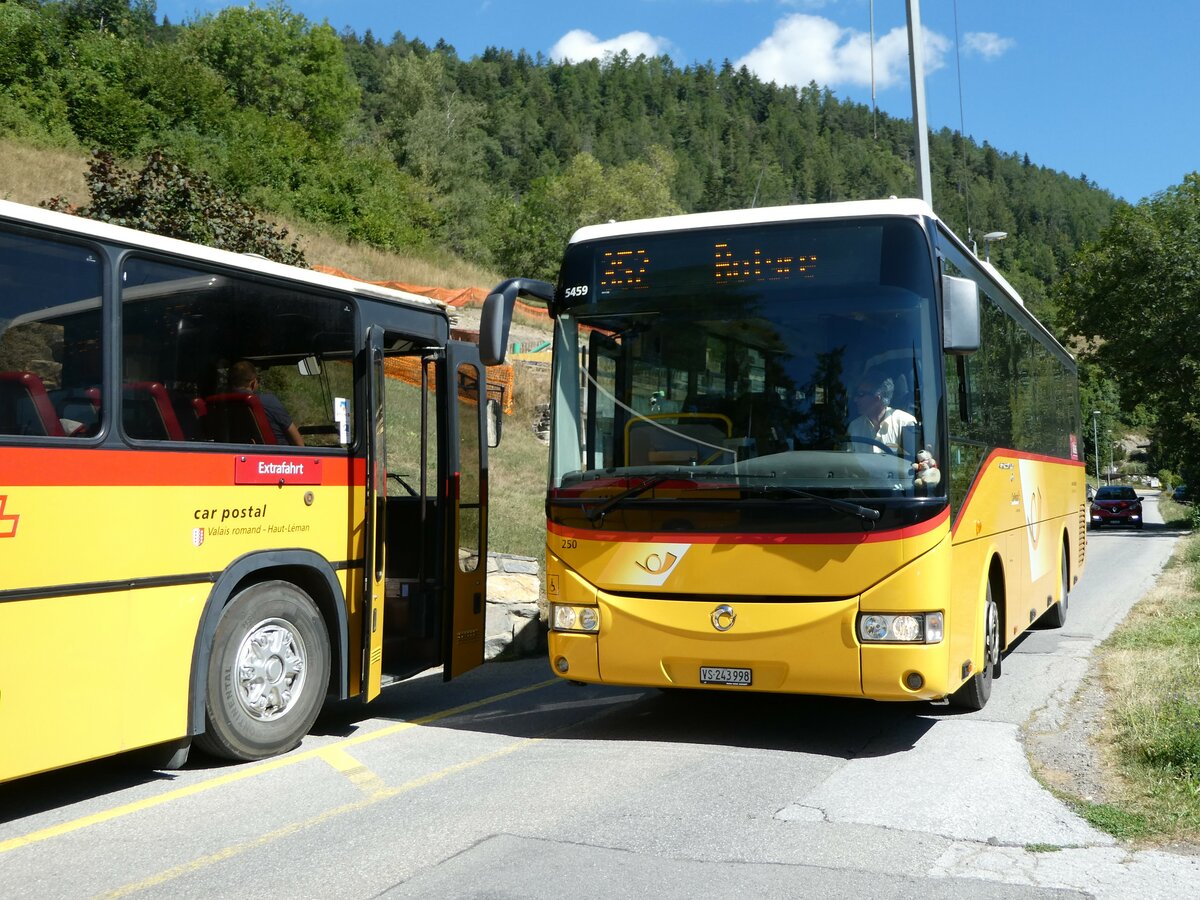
(267, 673)
(977, 689)
(1056, 615)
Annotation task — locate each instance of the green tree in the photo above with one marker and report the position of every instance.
(31, 102)
(1135, 295)
(533, 237)
(275, 61)
(101, 89)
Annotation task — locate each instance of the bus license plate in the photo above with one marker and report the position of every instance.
(723, 675)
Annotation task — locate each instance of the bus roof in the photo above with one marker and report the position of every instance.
(853, 209)
(246, 262)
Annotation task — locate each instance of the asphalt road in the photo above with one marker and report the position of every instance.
(508, 783)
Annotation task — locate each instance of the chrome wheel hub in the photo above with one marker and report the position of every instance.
(270, 669)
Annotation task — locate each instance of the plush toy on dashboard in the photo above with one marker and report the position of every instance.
(925, 469)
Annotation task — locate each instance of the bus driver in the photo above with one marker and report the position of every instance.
(878, 425)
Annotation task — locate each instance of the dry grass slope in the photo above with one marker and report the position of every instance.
(32, 174)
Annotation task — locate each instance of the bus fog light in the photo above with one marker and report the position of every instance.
(906, 628)
(914, 681)
(561, 665)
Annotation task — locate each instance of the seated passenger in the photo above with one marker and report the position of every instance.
(243, 376)
(878, 425)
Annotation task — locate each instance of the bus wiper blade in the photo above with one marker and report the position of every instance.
(854, 509)
(596, 514)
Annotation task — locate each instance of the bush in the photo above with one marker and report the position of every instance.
(166, 198)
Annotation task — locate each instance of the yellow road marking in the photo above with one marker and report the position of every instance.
(295, 827)
(362, 777)
(270, 765)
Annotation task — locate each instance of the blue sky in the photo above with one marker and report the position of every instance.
(1103, 88)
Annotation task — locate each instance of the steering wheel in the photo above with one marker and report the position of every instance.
(855, 439)
(393, 476)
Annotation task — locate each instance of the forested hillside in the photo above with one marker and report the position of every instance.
(496, 158)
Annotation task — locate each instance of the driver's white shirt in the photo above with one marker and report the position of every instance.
(888, 433)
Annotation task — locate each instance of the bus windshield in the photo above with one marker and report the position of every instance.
(758, 372)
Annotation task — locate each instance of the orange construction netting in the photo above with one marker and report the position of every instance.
(500, 380)
(450, 296)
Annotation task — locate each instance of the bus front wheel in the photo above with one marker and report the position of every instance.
(267, 673)
(977, 689)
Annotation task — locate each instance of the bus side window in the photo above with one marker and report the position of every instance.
(193, 339)
(50, 338)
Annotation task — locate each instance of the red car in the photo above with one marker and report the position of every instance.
(1116, 505)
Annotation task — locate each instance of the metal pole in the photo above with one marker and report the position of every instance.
(917, 75)
(1096, 442)
(874, 125)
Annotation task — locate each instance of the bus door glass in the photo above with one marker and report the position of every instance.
(467, 495)
(413, 569)
(374, 527)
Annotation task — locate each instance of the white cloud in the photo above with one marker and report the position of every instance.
(806, 48)
(987, 44)
(577, 45)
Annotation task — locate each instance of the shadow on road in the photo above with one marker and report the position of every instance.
(562, 711)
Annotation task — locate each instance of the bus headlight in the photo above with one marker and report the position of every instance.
(906, 628)
(574, 618)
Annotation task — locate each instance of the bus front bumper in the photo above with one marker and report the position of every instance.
(802, 647)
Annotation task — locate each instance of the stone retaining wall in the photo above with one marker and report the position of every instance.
(516, 614)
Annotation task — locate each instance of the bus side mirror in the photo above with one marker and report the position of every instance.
(960, 315)
(497, 315)
(494, 416)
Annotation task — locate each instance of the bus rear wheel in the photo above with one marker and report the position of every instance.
(975, 692)
(1056, 615)
(267, 673)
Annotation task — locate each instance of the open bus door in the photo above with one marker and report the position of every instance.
(375, 519)
(466, 503)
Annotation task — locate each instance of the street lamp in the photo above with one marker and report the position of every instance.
(987, 243)
(1096, 442)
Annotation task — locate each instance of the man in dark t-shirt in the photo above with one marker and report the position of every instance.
(243, 376)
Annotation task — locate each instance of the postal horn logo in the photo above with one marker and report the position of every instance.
(658, 564)
(723, 617)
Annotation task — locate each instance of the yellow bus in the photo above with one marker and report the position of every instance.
(229, 491)
(817, 449)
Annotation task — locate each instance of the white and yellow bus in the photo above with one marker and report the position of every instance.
(229, 490)
(816, 449)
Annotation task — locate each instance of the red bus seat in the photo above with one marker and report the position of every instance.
(238, 418)
(25, 407)
(147, 412)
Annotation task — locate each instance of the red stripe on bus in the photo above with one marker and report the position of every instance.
(676, 537)
(92, 467)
